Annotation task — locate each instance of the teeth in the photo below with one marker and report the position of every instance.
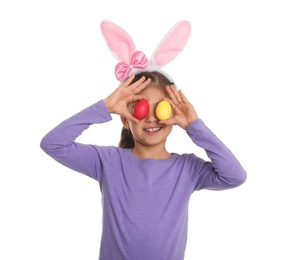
(152, 129)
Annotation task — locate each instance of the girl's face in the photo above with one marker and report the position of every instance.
(148, 131)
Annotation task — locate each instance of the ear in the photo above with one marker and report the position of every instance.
(118, 40)
(124, 122)
(172, 44)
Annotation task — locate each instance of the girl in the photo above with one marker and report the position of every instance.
(145, 188)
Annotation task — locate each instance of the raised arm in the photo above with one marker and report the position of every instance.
(223, 171)
(60, 144)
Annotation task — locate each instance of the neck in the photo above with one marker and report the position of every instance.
(151, 152)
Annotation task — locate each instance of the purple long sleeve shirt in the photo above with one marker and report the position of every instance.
(145, 201)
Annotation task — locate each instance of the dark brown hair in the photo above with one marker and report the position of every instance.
(157, 78)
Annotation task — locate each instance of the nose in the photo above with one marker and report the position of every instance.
(151, 117)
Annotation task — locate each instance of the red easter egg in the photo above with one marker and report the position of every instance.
(141, 109)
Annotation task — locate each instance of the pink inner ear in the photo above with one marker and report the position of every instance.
(173, 43)
(118, 40)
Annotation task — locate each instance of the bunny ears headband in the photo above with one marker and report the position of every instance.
(132, 61)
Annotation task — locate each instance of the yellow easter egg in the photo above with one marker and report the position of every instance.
(163, 110)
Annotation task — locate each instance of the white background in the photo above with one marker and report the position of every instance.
(236, 71)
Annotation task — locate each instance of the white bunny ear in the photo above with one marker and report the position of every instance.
(172, 44)
(118, 40)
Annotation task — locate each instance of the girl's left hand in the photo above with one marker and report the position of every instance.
(184, 112)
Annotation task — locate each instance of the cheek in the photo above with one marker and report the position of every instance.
(166, 131)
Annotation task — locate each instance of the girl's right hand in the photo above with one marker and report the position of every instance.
(118, 100)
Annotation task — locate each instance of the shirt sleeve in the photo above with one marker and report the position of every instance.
(223, 171)
(59, 143)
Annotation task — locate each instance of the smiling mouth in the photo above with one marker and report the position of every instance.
(153, 130)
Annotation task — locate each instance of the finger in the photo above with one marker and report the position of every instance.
(138, 82)
(173, 105)
(183, 97)
(170, 93)
(140, 85)
(176, 94)
(173, 94)
(128, 81)
(130, 117)
(170, 121)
